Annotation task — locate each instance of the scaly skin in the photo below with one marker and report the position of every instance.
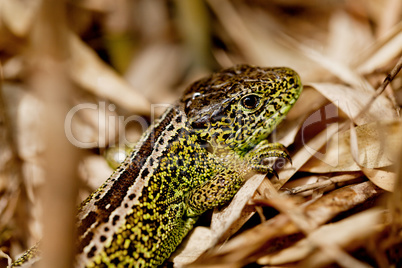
(194, 158)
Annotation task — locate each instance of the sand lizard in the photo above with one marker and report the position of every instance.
(193, 159)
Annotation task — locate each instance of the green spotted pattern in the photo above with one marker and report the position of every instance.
(194, 158)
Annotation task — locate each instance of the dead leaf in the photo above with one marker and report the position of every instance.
(381, 52)
(352, 100)
(301, 157)
(25, 11)
(198, 241)
(247, 246)
(347, 37)
(341, 233)
(222, 220)
(376, 142)
(382, 178)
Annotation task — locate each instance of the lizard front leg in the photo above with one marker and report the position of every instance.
(217, 191)
(221, 189)
(264, 151)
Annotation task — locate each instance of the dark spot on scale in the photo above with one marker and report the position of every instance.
(106, 229)
(145, 172)
(236, 128)
(102, 238)
(291, 81)
(102, 265)
(125, 205)
(115, 261)
(87, 222)
(141, 256)
(170, 128)
(227, 121)
(225, 136)
(91, 253)
(131, 196)
(178, 119)
(201, 123)
(181, 133)
(85, 241)
(215, 119)
(115, 219)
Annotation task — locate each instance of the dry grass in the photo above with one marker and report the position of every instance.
(330, 206)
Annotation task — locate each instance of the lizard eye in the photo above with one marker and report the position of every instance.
(250, 101)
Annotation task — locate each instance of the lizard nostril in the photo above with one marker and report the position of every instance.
(291, 81)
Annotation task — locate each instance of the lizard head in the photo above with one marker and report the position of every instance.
(240, 106)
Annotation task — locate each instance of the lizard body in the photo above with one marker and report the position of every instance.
(193, 159)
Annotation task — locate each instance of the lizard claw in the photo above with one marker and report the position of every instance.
(273, 172)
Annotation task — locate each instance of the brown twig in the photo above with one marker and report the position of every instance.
(381, 88)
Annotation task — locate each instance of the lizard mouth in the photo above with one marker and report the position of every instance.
(297, 85)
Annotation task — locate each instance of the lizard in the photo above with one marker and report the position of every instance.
(194, 158)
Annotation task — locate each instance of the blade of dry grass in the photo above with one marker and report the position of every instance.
(94, 75)
(353, 100)
(381, 52)
(376, 141)
(323, 184)
(381, 89)
(339, 234)
(307, 151)
(251, 244)
(260, 44)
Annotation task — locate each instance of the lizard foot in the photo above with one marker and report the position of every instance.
(263, 157)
